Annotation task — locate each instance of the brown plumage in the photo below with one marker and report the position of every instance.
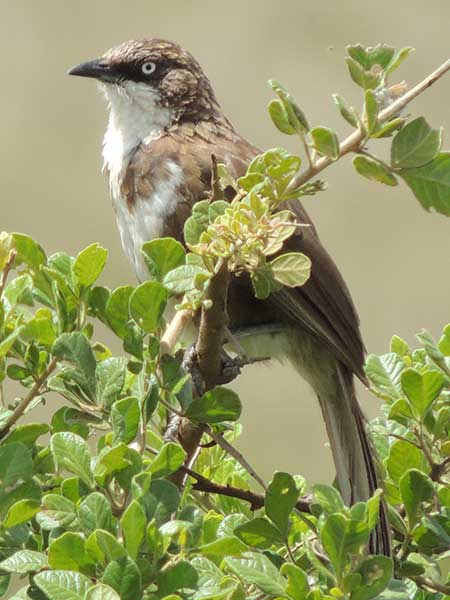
(185, 126)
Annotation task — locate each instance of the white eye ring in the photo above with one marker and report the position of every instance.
(148, 68)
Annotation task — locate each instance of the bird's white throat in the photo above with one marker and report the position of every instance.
(135, 118)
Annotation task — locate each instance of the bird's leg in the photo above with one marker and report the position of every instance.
(230, 368)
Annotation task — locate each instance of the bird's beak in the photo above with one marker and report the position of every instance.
(97, 69)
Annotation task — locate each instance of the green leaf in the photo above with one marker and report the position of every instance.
(192, 231)
(215, 406)
(147, 304)
(76, 350)
(229, 545)
(164, 498)
(415, 488)
(376, 572)
(258, 570)
(292, 269)
(384, 373)
(89, 264)
(280, 117)
(347, 112)
(328, 498)
(296, 116)
(404, 456)
(399, 346)
(125, 417)
(182, 575)
(68, 552)
(422, 389)
(371, 109)
(71, 452)
(373, 170)
(363, 78)
(104, 547)
(325, 141)
(56, 511)
(386, 130)
(110, 375)
(162, 255)
(133, 524)
(24, 561)
(258, 532)
(112, 461)
(28, 251)
(8, 342)
(117, 310)
(168, 460)
(281, 496)
(342, 536)
(101, 592)
(430, 183)
(39, 330)
(20, 512)
(444, 342)
(63, 585)
(397, 59)
(297, 587)
(379, 55)
(15, 464)
(415, 145)
(95, 512)
(263, 282)
(124, 577)
(181, 280)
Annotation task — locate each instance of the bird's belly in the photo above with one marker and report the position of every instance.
(142, 219)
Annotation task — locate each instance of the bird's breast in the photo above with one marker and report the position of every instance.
(143, 203)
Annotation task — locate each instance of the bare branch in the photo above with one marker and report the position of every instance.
(256, 500)
(174, 330)
(213, 323)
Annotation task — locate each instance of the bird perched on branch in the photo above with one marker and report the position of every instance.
(164, 125)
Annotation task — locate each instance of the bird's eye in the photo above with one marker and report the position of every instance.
(148, 68)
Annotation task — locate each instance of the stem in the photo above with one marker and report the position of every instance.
(256, 500)
(222, 442)
(174, 330)
(355, 140)
(7, 268)
(213, 323)
(435, 586)
(24, 403)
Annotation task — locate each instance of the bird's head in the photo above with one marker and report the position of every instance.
(152, 74)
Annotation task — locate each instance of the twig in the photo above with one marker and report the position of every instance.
(438, 470)
(223, 443)
(435, 586)
(24, 403)
(354, 140)
(256, 500)
(174, 330)
(6, 269)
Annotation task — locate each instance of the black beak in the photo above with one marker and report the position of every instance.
(97, 69)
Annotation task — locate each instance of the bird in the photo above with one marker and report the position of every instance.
(164, 125)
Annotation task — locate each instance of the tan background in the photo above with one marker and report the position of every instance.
(393, 255)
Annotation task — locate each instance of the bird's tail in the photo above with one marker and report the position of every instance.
(352, 450)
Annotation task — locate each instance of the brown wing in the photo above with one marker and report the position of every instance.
(323, 305)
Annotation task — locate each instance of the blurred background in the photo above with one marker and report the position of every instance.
(394, 256)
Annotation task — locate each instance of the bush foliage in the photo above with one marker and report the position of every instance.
(91, 505)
